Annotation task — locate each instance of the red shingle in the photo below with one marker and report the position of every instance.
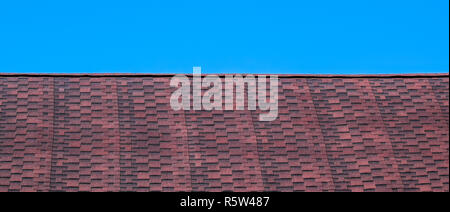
(117, 132)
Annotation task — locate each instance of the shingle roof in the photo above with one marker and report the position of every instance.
(117, 132)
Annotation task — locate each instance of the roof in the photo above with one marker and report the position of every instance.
(117, 132)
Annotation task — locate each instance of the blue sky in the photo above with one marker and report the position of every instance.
(302, 37)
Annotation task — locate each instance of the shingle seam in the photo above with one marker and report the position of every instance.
(15, 136)
(297, 93)
(436, 97)
(188, 151)
(262, 160)
(388, 137)
(53, 135)
(445, 123)
(257, 150)
(120, 134)
(122, 162)
(405, 185)
(308, 82)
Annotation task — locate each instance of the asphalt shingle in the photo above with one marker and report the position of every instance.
(119, 133)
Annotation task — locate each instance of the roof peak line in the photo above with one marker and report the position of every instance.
(414, 75)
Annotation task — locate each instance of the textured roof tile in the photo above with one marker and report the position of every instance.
(117, 132)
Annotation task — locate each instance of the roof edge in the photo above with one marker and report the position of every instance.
(415, 75)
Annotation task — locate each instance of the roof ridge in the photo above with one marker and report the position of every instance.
(411, 75)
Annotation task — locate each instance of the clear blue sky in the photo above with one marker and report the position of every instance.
(315, 37)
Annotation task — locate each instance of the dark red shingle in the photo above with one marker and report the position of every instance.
(118, 133)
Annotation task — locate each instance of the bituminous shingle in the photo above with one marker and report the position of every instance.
(119, 133)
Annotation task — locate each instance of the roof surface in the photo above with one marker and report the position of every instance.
(117, 132)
